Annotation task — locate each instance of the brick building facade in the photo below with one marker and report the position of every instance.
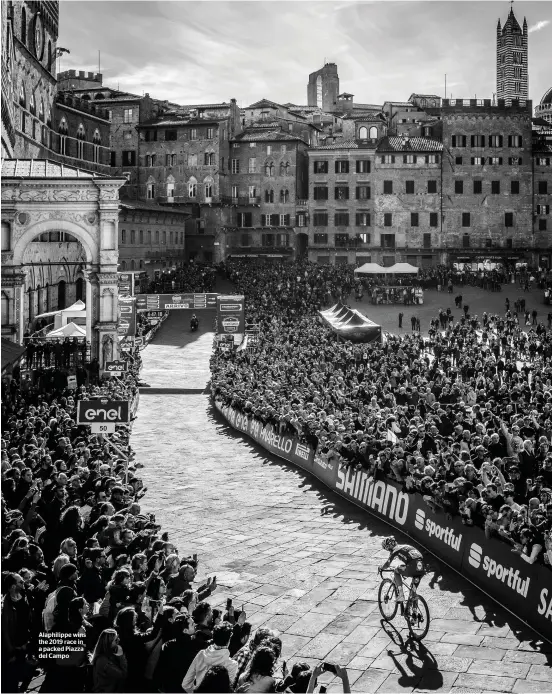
(268, 174)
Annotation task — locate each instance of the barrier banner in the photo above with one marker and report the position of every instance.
(524, 589)
(230, 314)
(104, 410)
(126, 325)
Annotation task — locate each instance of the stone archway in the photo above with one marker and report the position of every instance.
(80, 203)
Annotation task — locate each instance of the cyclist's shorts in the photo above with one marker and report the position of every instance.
(414, 569)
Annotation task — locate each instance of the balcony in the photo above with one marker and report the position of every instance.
(300, 202)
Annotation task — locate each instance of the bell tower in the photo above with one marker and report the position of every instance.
(512, 76)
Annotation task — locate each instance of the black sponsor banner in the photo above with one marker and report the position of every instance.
(177, 300)
(488, 563)
(103, 411)
(230, 314)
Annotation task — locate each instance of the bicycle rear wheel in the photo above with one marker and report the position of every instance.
(387, 599)
(417, 617)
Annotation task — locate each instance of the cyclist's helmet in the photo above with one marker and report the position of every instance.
(389, 543)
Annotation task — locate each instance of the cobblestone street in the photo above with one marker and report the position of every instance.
(300, 559)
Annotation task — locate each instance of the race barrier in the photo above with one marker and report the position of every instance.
(523, 589)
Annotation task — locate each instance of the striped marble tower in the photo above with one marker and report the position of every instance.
(512, 77)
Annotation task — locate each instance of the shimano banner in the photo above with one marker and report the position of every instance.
(524, 589)
(230, 314)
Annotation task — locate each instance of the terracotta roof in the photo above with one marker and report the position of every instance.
(261, 103)
(367, 107)
(340, 144)
(267, 136)
(409, 144)
(152, 207)
(44, 168)
(164, 122)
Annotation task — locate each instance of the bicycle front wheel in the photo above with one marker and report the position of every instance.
(417, 617)
(387, 599)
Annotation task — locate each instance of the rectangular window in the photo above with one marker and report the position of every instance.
(410, 187)
(129, 158)
(543, 209)
(409, 159)
(514, 187)
(128, 134)
(466, 241)
(170, 135)
(363, 166)
(495, 187)
(113, 159)
(127, 115)
(245, 240)
(515, 141)
(466, 219)
(387, 187)
(508, 219)
(342, 192)
(432, 159)
(235, 192)
(458, 160)
(543, 161)
(388, 240)
(432, 186)
(321, 238)
(459, 187)
(320, 192)
(284, 220)
(427, 240)
(388, 159)
(320, 167)
(235, 164)
(245, 219)
(252, 165)
(495, 161)
(414, 219)
(269, 149)
(509, 243)
(341, 219)
(388, 219)
(458, 140)
(477, 140)
(495, 141)
(363, 193)
(515, 161)
(193, 134)
(362, 219)
(478, 161)
(342, 240)
(477, 187)
(320, 219)
(542, 224)
(341, 166)
(543, 187)
(210, 133)
(192, 159)
(433, 219)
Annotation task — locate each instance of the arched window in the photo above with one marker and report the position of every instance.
(132, 237)
(81, 135)
(49, 118)
(363, 133)
(63, 136)
(150, 188)
(123, 265)
(79, 286)
(282, 169)
(170, 186)
(284, 195)
(171, 238)
(61, 294)
(99, 96)
(123, 236)
(156, 237)
(32, 104)
(132, 265)
(164, 238)
(5, 309)
(148, 237)
(153, 159)
(373, 133)
(24, 26)
(41, 110)
(208, 182)
(6, 236)
(192, 187)
(50, 66)
(269, 195)
(141, 237)
(96, 142)
(269, 168)
(22, 96)
(141, 265)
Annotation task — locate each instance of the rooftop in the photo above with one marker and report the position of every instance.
(44, 168)
(409, 144)
(254, 135)
(152, 207)
(339, 144)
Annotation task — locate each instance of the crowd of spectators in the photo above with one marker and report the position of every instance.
(82, 563)
(463, 417)
(193, 277)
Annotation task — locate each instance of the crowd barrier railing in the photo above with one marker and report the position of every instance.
(523, 589)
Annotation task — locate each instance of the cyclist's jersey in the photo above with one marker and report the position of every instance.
(406, 554)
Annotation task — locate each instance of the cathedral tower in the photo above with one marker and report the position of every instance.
(512, 77)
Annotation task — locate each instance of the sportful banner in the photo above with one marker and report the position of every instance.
(525, 589)
(230, 314)
(165, 302)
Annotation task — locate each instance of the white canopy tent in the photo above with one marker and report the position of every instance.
(69, 330)
(403, 269)
(77, 306)
(371, 269)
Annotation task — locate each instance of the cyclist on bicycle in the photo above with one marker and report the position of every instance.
(411, 566)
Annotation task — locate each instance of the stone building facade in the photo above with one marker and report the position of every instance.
(323, 88)
(268, 178)
(487, 178)
(151, 237)
(512, 65)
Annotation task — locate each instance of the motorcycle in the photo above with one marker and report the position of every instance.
(194, 324)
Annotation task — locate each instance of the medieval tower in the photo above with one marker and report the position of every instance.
(512, 77)
(323, 88)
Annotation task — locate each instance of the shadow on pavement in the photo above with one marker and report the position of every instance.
(482, 607)
(175, 331)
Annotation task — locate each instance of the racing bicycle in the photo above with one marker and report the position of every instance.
(414, 609)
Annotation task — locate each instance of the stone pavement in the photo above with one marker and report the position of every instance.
(301, 559)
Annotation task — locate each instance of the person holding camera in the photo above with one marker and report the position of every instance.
(337, 670)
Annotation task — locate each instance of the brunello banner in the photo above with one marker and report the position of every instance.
(230, 314)
(524, 589)
(126, 325)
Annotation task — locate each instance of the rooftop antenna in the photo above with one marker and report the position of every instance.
(99, 64)
(445, 85)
